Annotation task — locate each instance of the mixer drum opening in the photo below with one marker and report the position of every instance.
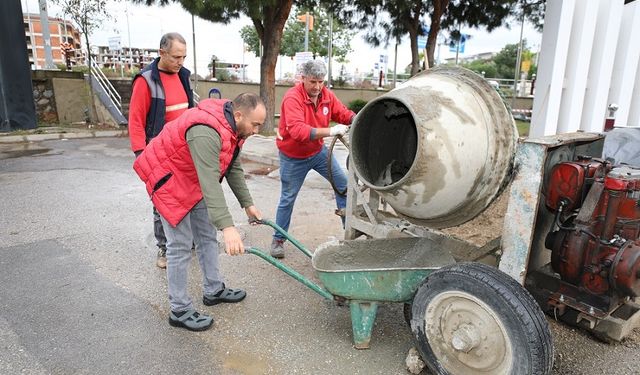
(386, 143)
(438, 149)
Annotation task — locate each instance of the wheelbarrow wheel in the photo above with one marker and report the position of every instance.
(469, 318)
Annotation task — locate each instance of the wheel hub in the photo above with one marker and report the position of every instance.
(465, 338)
(466, 335)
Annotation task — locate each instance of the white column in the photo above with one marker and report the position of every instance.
(603, 52)
(625, 65)
(578, 58)
(551, 71)
(634, 106)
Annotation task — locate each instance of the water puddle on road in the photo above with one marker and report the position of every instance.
(12, 154)
(263, 171)
(245, 364)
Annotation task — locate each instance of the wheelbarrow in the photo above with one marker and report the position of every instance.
(466, 318)
(364, 273)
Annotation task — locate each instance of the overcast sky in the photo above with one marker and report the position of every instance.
(146, 25)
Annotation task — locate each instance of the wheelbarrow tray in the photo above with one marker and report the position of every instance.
(381, 270)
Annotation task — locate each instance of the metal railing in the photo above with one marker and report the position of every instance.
(106, 85)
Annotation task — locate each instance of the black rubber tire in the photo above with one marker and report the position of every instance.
(508, 302)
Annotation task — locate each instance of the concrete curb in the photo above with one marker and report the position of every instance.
(261, 149)
(255, 152)
(257, 157)
(68, 135)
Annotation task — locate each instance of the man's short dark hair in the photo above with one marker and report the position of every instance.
(247, 102)
(168, 38)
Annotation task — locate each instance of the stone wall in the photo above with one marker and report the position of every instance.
(230, 90)
(44, 98)
(60, 97)
(64, 97)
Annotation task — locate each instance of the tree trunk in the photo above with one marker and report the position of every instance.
(414, 26)
(270, 32)
(439, 7)
(415, 58)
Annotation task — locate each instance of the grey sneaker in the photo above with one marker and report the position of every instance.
(277, 248)
(161, 262)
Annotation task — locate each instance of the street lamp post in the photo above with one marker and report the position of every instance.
(306, 32)
(195, 63)
(46, 36)
(518, 61)
(395, 65)
(329, 49)
(243, 67)
(129, 38)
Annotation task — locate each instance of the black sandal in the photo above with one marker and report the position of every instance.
(191, 320)
(227, 295)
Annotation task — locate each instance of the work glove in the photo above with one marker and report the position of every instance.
(338, 130)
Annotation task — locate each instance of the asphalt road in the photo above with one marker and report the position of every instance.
(80, 293)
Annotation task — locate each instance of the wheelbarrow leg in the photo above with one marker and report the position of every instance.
(363, 314)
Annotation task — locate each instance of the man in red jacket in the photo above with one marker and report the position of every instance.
(161, 93)
(306, 112)
(183, 168)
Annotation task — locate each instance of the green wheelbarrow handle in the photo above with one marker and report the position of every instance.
(285, 234)
(281, 266)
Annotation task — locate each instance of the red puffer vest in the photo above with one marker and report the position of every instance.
(166, 167)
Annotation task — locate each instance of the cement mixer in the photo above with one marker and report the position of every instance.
(438, 149)
(435, 153)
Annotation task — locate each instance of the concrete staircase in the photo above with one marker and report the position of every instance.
(123, 87)
(107, 104)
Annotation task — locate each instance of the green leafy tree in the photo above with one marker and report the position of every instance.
(384, 21)
(479, 66)
(293, 36)
(88, 16)
(404, 17)
(268, 18)
(502, 65)
(505, 61)
(490, 15)
(251, 39)
(486, 14)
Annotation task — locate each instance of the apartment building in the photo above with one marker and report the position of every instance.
(125, 56)
(61, 31)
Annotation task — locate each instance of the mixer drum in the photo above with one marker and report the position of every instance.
(438, 148)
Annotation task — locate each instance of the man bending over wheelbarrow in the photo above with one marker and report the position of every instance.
(182, 169)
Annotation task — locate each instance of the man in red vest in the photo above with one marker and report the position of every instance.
(183, 168)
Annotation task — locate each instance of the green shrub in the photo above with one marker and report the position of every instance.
(357, 105)
(80, 68)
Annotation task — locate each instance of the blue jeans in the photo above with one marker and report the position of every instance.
(292, 175)
(195, 227)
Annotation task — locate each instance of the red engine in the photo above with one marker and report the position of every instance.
(594, 240)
